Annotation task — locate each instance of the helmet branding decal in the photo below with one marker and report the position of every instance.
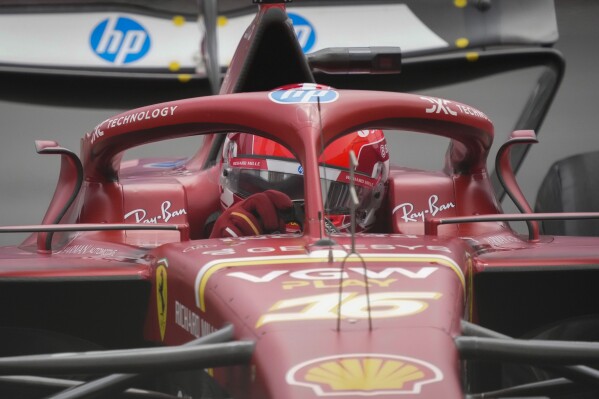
(358, 180)
(303, 95)
(249, 163)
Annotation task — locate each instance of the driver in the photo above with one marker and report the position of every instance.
(260, 178)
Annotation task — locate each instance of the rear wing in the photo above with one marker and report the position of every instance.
(152, 51)
(124, 54)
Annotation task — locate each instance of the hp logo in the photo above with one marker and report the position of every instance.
(303, 96)
(304, 30)
(120, 40)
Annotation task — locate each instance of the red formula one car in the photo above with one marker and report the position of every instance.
(121, 292)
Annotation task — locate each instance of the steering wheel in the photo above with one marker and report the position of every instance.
(295, 214)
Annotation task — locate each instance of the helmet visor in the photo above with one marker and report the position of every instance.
(288, 178)
(245, 182)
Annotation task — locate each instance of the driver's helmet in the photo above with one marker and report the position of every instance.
(252, 164)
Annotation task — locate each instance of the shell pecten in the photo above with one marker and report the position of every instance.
(366, 374)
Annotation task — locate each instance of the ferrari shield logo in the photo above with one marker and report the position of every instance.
(161, 295)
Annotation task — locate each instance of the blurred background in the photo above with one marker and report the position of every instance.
(27, 180)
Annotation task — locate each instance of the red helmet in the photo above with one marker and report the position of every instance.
(252, 164)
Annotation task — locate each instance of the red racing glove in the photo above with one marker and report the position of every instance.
(257, 214)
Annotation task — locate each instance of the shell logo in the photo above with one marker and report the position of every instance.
(365, 374)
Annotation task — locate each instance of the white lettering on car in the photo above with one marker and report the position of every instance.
(166, 214)
(409, 215)
(439, 105)
(97, 133)
(472, 111)
(83, 249)
(130, 118)
(217, 264)
(298, 248)
(334, 274)
(191, 322)
(187, 320)
(501, 240)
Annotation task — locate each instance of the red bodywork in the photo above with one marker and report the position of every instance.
(379, 322)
